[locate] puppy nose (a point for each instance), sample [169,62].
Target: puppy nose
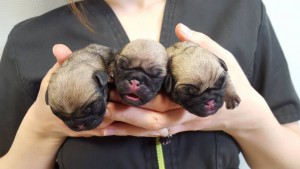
[134,83]
[80,126]
[77,125]
[210,104]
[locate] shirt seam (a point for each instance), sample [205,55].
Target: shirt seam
[114,24]
[168,22]
[15,61]
[251,69]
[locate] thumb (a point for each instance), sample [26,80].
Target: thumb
[61,52]
[186,34]
[183,32]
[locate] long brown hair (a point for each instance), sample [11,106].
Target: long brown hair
[79,11]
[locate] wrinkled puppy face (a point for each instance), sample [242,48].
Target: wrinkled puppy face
[78,90]
[196,79]
[200,100]
[139,71]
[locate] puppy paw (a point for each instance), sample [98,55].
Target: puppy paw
[232,101]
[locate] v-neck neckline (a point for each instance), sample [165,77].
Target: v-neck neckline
[119,31]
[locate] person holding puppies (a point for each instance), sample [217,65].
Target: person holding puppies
[263,126]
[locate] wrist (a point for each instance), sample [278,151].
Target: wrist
[270,146]
[43,124]
[253,115]
[31,149]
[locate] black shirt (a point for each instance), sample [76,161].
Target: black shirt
[240,26]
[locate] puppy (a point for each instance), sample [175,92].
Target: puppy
[78,90]
[198,80]
[139,71]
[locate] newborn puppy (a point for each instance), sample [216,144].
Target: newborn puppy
[139,71]
[198,80]
[77,91]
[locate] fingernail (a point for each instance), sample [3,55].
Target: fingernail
[109,132]
[185,30]
[107,113]
[54,50]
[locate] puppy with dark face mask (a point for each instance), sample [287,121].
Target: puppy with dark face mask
[139,71]
[78,90]
[198,80]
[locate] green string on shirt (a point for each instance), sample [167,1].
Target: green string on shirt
[160,154]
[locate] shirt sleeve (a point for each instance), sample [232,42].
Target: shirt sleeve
[14,100]
[271,76]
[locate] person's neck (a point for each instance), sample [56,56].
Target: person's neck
[132,4]
[131,13]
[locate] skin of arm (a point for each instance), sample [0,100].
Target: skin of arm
[32,147]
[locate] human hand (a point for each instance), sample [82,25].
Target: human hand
[253,112]
[153,118]
[40,117]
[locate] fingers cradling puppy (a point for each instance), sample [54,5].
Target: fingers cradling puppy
[192,77]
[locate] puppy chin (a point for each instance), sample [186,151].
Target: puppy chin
[202,112]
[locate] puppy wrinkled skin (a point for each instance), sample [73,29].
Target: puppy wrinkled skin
[139,71]
[78,90]
[198,80]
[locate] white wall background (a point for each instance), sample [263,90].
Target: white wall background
[285,16]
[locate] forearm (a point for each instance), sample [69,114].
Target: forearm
[31,150]
[274,146]
[265,143]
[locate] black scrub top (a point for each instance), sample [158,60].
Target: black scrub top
[240,26]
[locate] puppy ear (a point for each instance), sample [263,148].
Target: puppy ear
[168,83]
[223,64]
[46,97]
[101,77]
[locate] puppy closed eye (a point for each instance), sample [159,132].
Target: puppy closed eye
[93,108]
[155,72]
[123,63]
[187,89]
[62,116]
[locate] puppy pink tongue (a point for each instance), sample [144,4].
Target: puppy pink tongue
[132,97]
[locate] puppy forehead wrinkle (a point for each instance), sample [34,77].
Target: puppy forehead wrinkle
[82,59]
[69,96]
[203,67]
[143,54]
